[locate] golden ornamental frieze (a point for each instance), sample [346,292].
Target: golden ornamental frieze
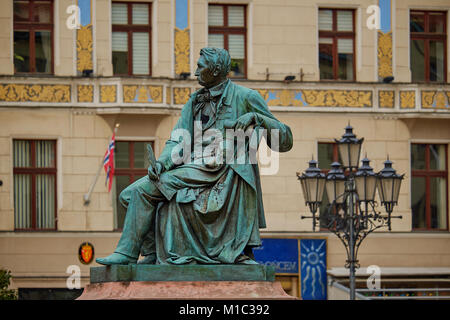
[435,99]
[142,94]
[384,54]
[108,93]
[386,99]
[181,95]
[317,98]
[182,49]
[84,48]
[85,93]
[35,93]
[407,99]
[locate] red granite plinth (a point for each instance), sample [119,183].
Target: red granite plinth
[185,290]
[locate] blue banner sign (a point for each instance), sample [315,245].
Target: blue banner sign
[313,275]
[280,253]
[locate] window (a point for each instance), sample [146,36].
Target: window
[131,38]
[428,46]
[33,36]
[336,44]
[327,154]
[429,186]
[131,164]
[34,184]
[227,29]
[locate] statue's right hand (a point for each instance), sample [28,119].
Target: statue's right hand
[155,172]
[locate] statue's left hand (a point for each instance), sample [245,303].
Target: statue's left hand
[244,121]
[155,172]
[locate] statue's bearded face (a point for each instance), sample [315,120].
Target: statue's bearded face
[207,75]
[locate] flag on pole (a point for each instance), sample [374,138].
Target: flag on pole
[108,162]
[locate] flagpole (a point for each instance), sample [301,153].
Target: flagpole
[87,196]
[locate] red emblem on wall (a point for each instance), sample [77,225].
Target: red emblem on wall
[86,252]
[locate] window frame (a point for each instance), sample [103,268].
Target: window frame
[130,172]
[226,30]
[427,173]
[129,28]
[32,27]
[427,36]
[33,171]
[335,35]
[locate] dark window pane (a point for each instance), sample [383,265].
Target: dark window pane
[437,22]
[121,183]
[326,58]
[121,154]
[140,155]
[325,155]
[416,23]
[43,47]
[437,61]
[418,202]
[418,156]
[21,11]
[120,52]
[236,48]
[345,54]
[417,60]
[22,51]
[42,12]
[437,157]
[438,201]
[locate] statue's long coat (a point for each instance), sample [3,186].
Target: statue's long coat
[212,214]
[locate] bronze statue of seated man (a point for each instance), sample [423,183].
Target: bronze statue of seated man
[193,211]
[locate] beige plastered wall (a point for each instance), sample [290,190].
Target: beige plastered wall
[82,137]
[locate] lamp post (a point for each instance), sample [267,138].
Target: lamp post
[351,214]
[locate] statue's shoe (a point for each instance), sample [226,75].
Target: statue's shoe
[115,258]
[148,259]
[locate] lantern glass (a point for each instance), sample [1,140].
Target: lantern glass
[365,187]
[349,153]
[313,189]
[386,189]
[335,190]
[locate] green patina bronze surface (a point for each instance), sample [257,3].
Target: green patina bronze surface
[137,272]
[190,212]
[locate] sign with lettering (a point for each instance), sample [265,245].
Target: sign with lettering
[280,253]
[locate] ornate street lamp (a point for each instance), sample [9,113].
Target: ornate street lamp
[389,187]
[313,182]
[335,184]
[349,148]
[351,214]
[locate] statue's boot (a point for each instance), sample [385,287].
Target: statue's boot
[115,258]
[138,222]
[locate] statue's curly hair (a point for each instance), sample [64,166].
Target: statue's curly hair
[217,57]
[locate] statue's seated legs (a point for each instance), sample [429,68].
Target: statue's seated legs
[140,199]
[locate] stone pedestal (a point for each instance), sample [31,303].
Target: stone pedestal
[186,282]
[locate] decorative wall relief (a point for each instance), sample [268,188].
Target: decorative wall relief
[85,93]
[35,93]
[85,42]
[181,95]
[407,99]
[182,37]
[384,54]
[435,99]
[386,99]
[108,93]
[317,98]
[142,94]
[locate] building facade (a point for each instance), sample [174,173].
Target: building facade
[72,71]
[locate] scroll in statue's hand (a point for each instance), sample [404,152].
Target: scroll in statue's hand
[155,171]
